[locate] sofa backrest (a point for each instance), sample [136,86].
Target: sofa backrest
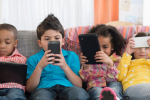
[72,42]
[28,46]
[27,43]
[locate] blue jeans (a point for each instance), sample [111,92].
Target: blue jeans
[138,92]
[95,91]
[59,92]
[12,94]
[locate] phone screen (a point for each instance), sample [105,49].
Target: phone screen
[54,46]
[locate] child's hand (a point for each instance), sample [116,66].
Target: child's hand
[130,46]
[61,61]
[46,59]
[83,61]
[102,57]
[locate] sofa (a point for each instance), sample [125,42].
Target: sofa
[28,46]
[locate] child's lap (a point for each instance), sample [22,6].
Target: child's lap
[138,92]
[12,93]
[58,91]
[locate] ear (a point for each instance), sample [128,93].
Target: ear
[16,43]
[39,43]
[63,41]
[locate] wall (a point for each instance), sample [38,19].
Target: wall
[0,11]
[131,11]
[146,13]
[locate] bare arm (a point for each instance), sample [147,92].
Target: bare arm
[34,80]
[72,77]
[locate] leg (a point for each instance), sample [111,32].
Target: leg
[94,93]
[138,92]
[15,94]
[43,94]
[117,87]
[2,94]
[73,93]
[3,98]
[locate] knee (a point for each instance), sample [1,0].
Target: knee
[79,93]
[96,90]
[16,94]
[115,84]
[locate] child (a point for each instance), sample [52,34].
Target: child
[134,70]
[48,80]
[9,53]
[101,75]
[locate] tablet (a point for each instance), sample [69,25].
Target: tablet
[13,72]
[89,46]
[141,41]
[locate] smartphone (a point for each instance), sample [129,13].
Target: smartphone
[141,41]
[89,46]
[54,46]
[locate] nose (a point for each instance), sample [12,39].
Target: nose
[2,45]
[142,50]
[52,39]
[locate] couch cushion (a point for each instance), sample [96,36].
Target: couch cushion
[71,38]
[141,28]
[27,43]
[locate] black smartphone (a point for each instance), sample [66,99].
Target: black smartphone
[54,46]
[89,46]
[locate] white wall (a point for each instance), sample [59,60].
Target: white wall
[27,14]
[0,12]
[146,13]
[131,11]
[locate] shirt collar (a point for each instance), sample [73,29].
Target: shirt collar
[115,58]
[15,52]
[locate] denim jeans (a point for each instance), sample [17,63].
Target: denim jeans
[12,94]
[59,92]
[138,92]
[94,92]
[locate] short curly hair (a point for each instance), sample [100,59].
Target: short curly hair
[9,27]
[50,22]
[117,39]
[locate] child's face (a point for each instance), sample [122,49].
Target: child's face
[7,43]
[105,44]
[50,35]
[142,53]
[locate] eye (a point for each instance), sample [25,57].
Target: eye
[105,47]
[47,39]
[146,47]
[7,42]
[56,38]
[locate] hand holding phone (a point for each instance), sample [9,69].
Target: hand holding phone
[129,49]
[83,60]
[54,46]
[61,61]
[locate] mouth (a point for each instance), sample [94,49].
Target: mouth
[2,52]
[142,55]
